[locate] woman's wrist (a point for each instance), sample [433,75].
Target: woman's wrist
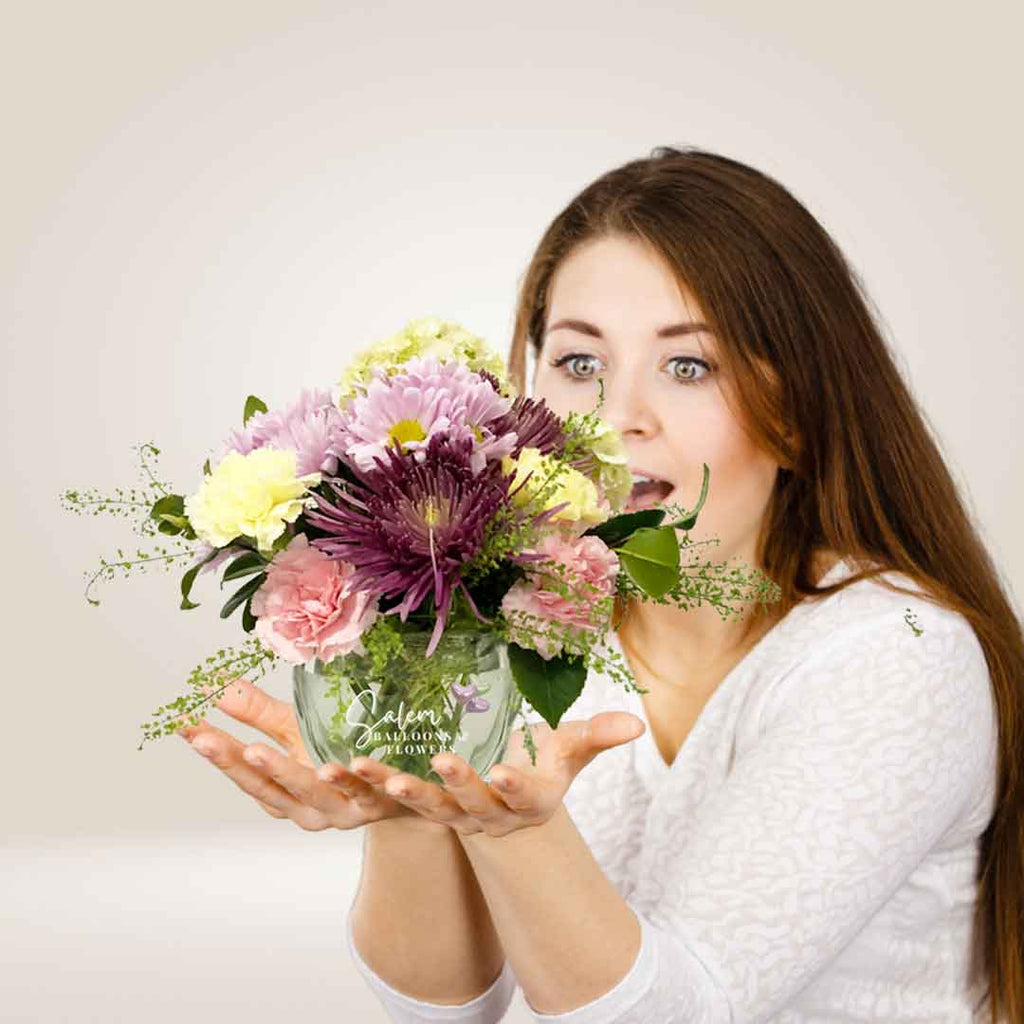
[404,824]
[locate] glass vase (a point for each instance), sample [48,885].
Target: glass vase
[404,708]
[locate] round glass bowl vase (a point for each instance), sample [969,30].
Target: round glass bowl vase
[406,708]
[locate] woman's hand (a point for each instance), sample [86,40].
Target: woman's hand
[520,795]
[286,785]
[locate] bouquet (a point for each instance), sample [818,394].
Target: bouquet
[427,549]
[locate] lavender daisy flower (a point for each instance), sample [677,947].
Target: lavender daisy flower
[305,427]
[425,399]
[413,522]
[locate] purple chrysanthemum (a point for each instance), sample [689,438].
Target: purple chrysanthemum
[533,424]
[305,427]
[413,523]
[426,398]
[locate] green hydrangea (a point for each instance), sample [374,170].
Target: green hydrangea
[427,336]
[603,457]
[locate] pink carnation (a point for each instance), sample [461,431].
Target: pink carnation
[589,565]
[307,607]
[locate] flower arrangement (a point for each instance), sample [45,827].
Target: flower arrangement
[423,493]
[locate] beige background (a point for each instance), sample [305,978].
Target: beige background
[204,200]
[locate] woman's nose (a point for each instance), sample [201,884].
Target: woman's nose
[627,408]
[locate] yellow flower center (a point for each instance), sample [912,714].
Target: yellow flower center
[431,512]
[405,431]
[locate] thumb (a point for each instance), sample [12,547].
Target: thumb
[612,728]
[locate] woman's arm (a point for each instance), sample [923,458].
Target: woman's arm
[420,925]
[873,750]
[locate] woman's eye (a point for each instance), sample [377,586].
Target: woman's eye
[684,369]
[580,365]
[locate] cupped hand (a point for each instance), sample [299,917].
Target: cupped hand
[520,794]
[287,785]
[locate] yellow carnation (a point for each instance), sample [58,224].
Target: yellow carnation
[252,495]
[570,486]
[429,337]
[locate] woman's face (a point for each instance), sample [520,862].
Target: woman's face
[609,306]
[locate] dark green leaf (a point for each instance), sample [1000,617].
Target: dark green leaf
[651,559]
[688,521]
[253,405]
[244,565]
[615,530]
[242,594]
[488,591]
[169,504]
[248,619]
[551,686]
[190,577]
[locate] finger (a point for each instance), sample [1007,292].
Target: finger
[373,798]
[272,811]
[601,732]
[302,782]
[474,796]
[247,703]
[225,752]
[520,792]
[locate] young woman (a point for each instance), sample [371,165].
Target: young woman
[822,816]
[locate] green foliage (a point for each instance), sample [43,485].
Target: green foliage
[617,529]
[242,595]
[650,557]
[189,578]
[207,681]
[253,405]
[244,565]
[135,504]
[551,686]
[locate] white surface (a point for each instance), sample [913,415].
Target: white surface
[242,925]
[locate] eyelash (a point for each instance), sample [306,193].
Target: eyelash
[569,357]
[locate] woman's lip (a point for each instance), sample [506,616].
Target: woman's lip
[649,501]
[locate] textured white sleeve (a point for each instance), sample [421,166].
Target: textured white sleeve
[868,753]
[487,1008]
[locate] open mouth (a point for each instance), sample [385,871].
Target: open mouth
[647,492]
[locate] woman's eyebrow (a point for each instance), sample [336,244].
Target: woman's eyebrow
[671,331]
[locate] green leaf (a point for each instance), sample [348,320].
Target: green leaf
[552,686]
[206,468]
[190,577]
[248,619]
[181,522]
[615,530]
[253,405]
[242,594]
[169,505]
[651,559]
[244,565]
[690,519]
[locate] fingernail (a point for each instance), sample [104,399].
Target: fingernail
[202,747]
[445,768]
[254,757]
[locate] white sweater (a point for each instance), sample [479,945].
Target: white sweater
[810,854]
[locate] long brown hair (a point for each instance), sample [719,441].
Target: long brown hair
[860,473]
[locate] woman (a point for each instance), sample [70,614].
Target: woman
[822,816]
